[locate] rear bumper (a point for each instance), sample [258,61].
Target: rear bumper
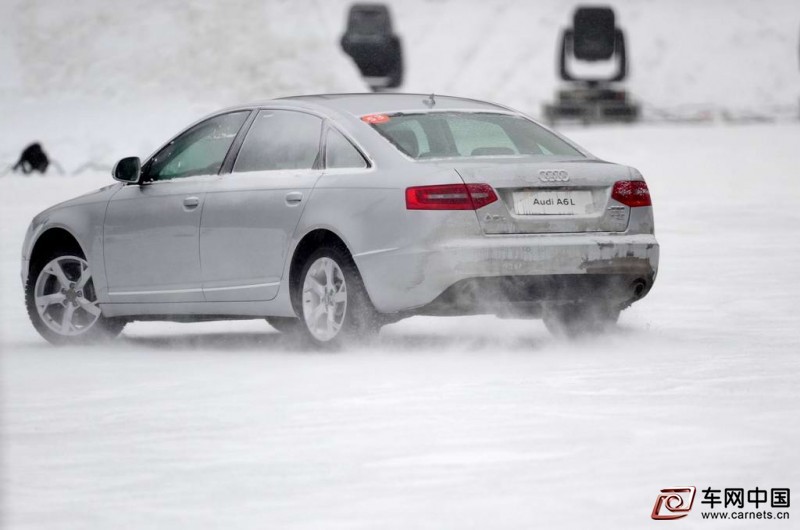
[412,278]
[528,295]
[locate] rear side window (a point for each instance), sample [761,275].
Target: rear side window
[468,135]
[280,139]
[340,153]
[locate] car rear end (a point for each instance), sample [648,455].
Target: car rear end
[503,229]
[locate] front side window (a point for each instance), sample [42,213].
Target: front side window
[199,151]
[340,153]
[468,135]
[280,140]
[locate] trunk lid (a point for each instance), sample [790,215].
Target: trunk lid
[548,197]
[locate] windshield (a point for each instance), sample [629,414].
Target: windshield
[468,134]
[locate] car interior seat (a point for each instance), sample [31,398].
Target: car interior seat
[407,141]
[490,151]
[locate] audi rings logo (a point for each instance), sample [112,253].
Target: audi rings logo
[553,175]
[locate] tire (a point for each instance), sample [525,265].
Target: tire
[66,314]
[286,325]
[580,319]
[331,300]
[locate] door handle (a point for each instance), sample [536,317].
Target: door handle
[294,197]
[190,203]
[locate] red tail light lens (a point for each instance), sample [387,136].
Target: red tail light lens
[481,194]
[631,193]
[450,197]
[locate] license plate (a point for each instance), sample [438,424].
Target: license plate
[555,202]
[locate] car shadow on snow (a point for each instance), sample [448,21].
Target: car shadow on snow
[270,341]
[401,341]
[429,341]
[232,341]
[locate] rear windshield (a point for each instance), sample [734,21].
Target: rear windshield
[467,134]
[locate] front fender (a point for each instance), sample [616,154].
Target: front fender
[82,218]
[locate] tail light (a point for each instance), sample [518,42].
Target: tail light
[631,193]
[450,197]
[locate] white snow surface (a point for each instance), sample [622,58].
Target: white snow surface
[447,422]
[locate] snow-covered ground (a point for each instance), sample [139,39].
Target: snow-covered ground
[447,423]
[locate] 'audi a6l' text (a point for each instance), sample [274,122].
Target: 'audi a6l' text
[332,215]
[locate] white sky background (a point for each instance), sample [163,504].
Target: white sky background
[124,76]
[727,53]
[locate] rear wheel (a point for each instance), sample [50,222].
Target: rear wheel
[62,304]
[334,305]
[580,319]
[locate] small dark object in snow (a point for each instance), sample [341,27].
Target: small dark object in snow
[33,158]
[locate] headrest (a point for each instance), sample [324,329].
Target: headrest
[407,140]
[489,151]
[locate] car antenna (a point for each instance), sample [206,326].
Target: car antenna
[430,102]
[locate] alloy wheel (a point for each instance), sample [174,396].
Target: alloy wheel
[324,299]
[65,298]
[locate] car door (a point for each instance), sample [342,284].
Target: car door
[151,233]
[251,213]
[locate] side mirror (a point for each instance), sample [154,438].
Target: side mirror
[128,170]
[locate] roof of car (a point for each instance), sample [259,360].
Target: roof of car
[360,104]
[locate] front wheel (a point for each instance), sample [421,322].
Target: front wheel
[335,306]
[62,303]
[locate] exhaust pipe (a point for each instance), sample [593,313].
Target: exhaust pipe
[638,287]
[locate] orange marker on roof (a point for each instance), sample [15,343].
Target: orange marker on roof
[374,119]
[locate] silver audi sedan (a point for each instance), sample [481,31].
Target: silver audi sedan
[333,215]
